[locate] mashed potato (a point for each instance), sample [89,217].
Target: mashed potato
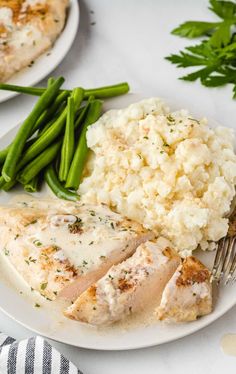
[168,171]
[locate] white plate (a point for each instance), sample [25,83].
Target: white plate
[48,61]
[49,321]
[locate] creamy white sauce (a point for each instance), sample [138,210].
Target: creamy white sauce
[6,15]
[100,232]
[25,36]
[55,308]
[88,249]
[228,344]
[34,2]
[10,277]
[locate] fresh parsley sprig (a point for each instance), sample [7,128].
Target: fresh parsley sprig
[216,53]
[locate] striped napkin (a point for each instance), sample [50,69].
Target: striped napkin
[32,356]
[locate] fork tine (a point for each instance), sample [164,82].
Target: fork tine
[218,256]
[221,261]
[232,266]
[228,255]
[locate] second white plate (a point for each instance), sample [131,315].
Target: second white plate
[49,60]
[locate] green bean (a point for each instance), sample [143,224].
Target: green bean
[3,154]
[39,163]
[15,151]
[52,133]
[54,184]
[42,117]
[77,165]
[8,185]
[35,91]
[33,185]
[4,151]
[2,182]
[107,91]
[49,113]
[51,80]
[43,129]
[81,115]
[41,121]
[68,144]
[99,93]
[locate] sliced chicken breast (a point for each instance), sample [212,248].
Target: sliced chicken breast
[27,29]
[127,287]
[60,249]
[188,294]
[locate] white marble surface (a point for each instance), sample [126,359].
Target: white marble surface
[129,42]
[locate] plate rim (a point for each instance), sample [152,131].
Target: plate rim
[74,11]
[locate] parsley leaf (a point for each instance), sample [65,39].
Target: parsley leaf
[223,9]
[193,29]
[215,55]
[222,35]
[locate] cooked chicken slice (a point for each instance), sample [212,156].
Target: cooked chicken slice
[60,249]
[27,29]
[127,287]
[188,294]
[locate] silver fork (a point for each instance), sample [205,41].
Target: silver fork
[225,260]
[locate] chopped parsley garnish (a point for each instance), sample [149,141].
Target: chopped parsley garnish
[44,286]
[30,259]
[37,305]
[6,252]
[37,243]
[170,119]
[214,56]
[194,119]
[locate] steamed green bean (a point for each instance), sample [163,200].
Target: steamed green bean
[15,151]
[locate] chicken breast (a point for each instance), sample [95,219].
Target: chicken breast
[188,294]
[128,287]
[27,29]
[61,248]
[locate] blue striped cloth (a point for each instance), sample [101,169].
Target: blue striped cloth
[32,356]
